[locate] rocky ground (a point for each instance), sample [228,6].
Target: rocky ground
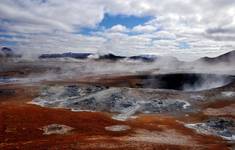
[115,111]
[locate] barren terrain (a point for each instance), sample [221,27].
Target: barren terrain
[46,106]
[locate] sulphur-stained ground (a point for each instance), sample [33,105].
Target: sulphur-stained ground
[23,126]
[103,105]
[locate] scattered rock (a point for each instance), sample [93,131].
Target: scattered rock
[220,123]
[159,106]
[85,104]
[117,128]
[118,102]
[71,90]
[222,127]
[56,129]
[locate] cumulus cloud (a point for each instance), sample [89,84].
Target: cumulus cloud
[144,28]
[40,26]
[118,28]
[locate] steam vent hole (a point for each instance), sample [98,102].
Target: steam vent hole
[179,81]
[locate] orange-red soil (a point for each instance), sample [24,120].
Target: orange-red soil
[20,125]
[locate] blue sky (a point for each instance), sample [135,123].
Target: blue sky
[111,20]
[6,39]
[127,21]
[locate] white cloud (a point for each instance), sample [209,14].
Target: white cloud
[48,26]
[118,28]
[144,28]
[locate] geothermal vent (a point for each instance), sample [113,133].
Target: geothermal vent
[178,81]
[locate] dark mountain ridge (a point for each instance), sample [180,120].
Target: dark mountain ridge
[66,55]
[109,56]
[224,58]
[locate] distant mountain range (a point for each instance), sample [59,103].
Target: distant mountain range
[146,58]
[229,57]
[112,57]
[224,58]
[66,55]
